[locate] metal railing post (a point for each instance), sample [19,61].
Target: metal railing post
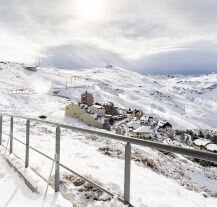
[127,173]
[0,129]
[27,143]
[11,134]
[57,160]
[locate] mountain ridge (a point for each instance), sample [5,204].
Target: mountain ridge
[185,101]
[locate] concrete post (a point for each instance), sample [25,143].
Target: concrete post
[27,143]
[11,134]
[127,173]
[57,160]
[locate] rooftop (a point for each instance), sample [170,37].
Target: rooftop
[201,142]
[211,147]
[98,106]
[145,129]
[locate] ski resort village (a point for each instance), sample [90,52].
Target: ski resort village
[106,137]
[135,123]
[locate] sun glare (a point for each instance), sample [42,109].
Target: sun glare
[89,9]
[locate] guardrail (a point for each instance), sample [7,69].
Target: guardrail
[127,169]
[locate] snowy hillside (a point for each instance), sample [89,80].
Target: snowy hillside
[158,179]
[185,101]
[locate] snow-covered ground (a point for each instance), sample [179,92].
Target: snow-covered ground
[185,101]
[158,179]
[14,192]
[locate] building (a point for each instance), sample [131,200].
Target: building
[137,114]
[107,124]
[133,124]
[82,112]
[92,120]
[110,109]
[200,144]
[87,98]
[164,126]
[75,110]
[150,120]
[109,66]
[204,145]
[129,111]
[144,120]
[211,147]
[97,109]
[142,132]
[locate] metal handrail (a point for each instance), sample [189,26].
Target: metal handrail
[62,165]
[159,146]
[163,147]
[65,167]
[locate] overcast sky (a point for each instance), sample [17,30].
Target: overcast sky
[169,36]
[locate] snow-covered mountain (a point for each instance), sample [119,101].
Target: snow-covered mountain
[185,101]
[158,179]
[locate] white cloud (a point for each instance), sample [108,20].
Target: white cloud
[140,34]
[17,48]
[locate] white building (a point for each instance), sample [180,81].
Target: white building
[200,144]
[97,109]
[163,126]
[211,147]
[142,132]
[144,120]
[133,124]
